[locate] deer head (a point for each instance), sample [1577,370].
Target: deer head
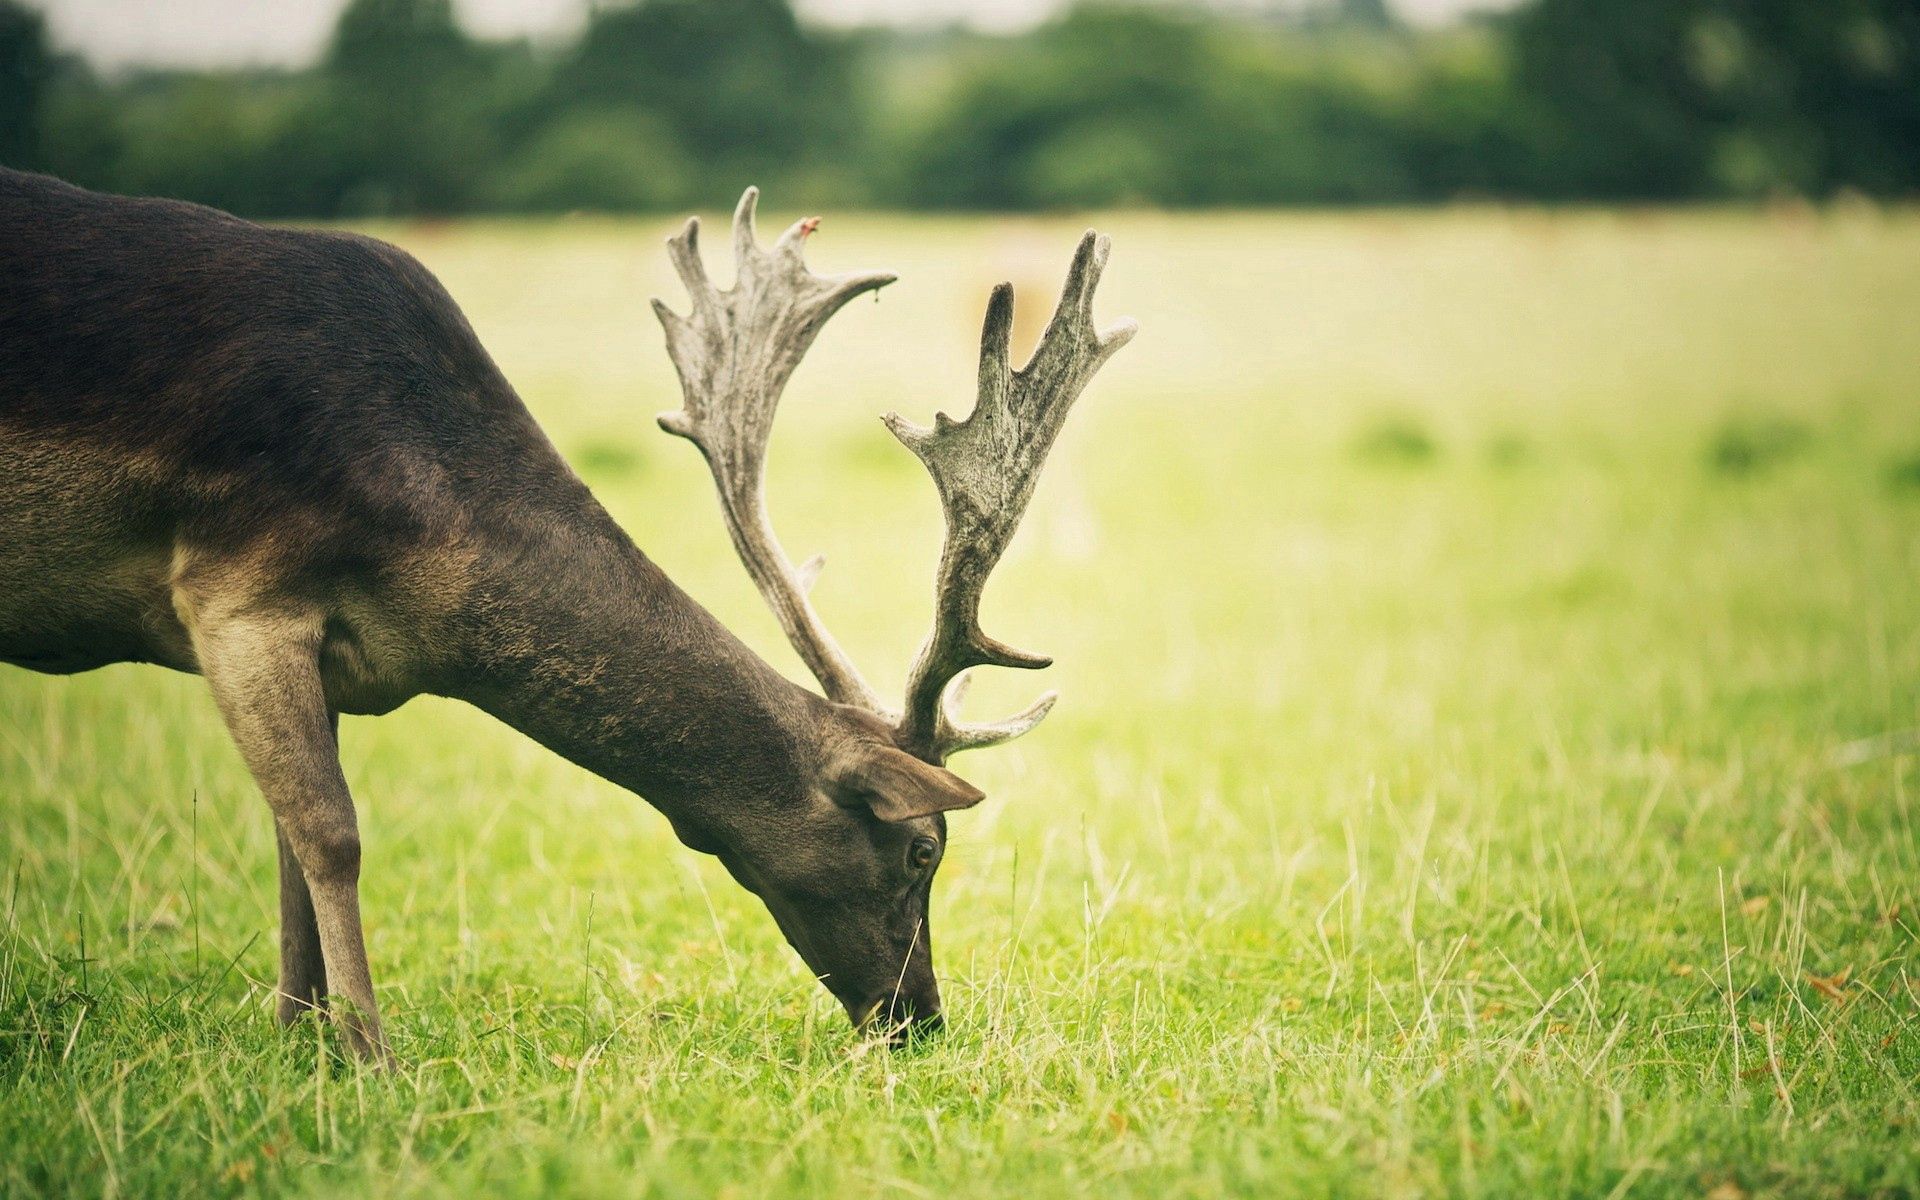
[854,902]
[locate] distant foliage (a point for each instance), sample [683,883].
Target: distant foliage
[667,103]
[597,160]
[739,85]
[604,458]
[1668,98]
[1747,445]
[1399,439]
[1903,474]
[1507,451]
[25,68]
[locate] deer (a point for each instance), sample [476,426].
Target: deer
[281,459]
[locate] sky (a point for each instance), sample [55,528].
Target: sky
[120,33]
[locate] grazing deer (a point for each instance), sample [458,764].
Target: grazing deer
[282,459]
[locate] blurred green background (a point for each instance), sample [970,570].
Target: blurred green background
[667,103]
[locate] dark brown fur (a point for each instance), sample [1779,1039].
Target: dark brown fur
[282,459]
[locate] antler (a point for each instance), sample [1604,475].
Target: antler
[735,353]
[985,468]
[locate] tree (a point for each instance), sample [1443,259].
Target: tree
[1116,104]
[1659,98]
[26,67]
[738,84]
[400,124]
[1816,96]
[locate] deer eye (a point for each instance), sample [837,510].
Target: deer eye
[921,853]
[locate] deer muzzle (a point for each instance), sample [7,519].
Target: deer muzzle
[900,1017]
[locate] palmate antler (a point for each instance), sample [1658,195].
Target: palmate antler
[735,352]
[986,467]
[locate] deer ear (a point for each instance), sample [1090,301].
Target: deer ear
[896,785]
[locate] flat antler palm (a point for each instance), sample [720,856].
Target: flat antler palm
[986,467]
[735,354]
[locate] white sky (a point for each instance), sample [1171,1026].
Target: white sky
[116,33]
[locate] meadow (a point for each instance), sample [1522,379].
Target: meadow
[1489,646]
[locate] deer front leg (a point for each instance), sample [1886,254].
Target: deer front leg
[303,971]
[264,672]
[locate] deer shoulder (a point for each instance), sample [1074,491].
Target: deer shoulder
[201,416]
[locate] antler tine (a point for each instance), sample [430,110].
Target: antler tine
[985,468]
[734,353]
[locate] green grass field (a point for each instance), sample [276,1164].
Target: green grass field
[1490,656]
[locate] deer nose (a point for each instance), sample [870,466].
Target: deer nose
[903,1018]
[907,1025]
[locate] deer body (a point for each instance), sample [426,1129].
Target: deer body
[281,459]
[339,458]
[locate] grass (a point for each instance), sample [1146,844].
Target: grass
[1536,822]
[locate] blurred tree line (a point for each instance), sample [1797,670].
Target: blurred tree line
[669,103]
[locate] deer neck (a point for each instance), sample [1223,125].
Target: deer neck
[581,642]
